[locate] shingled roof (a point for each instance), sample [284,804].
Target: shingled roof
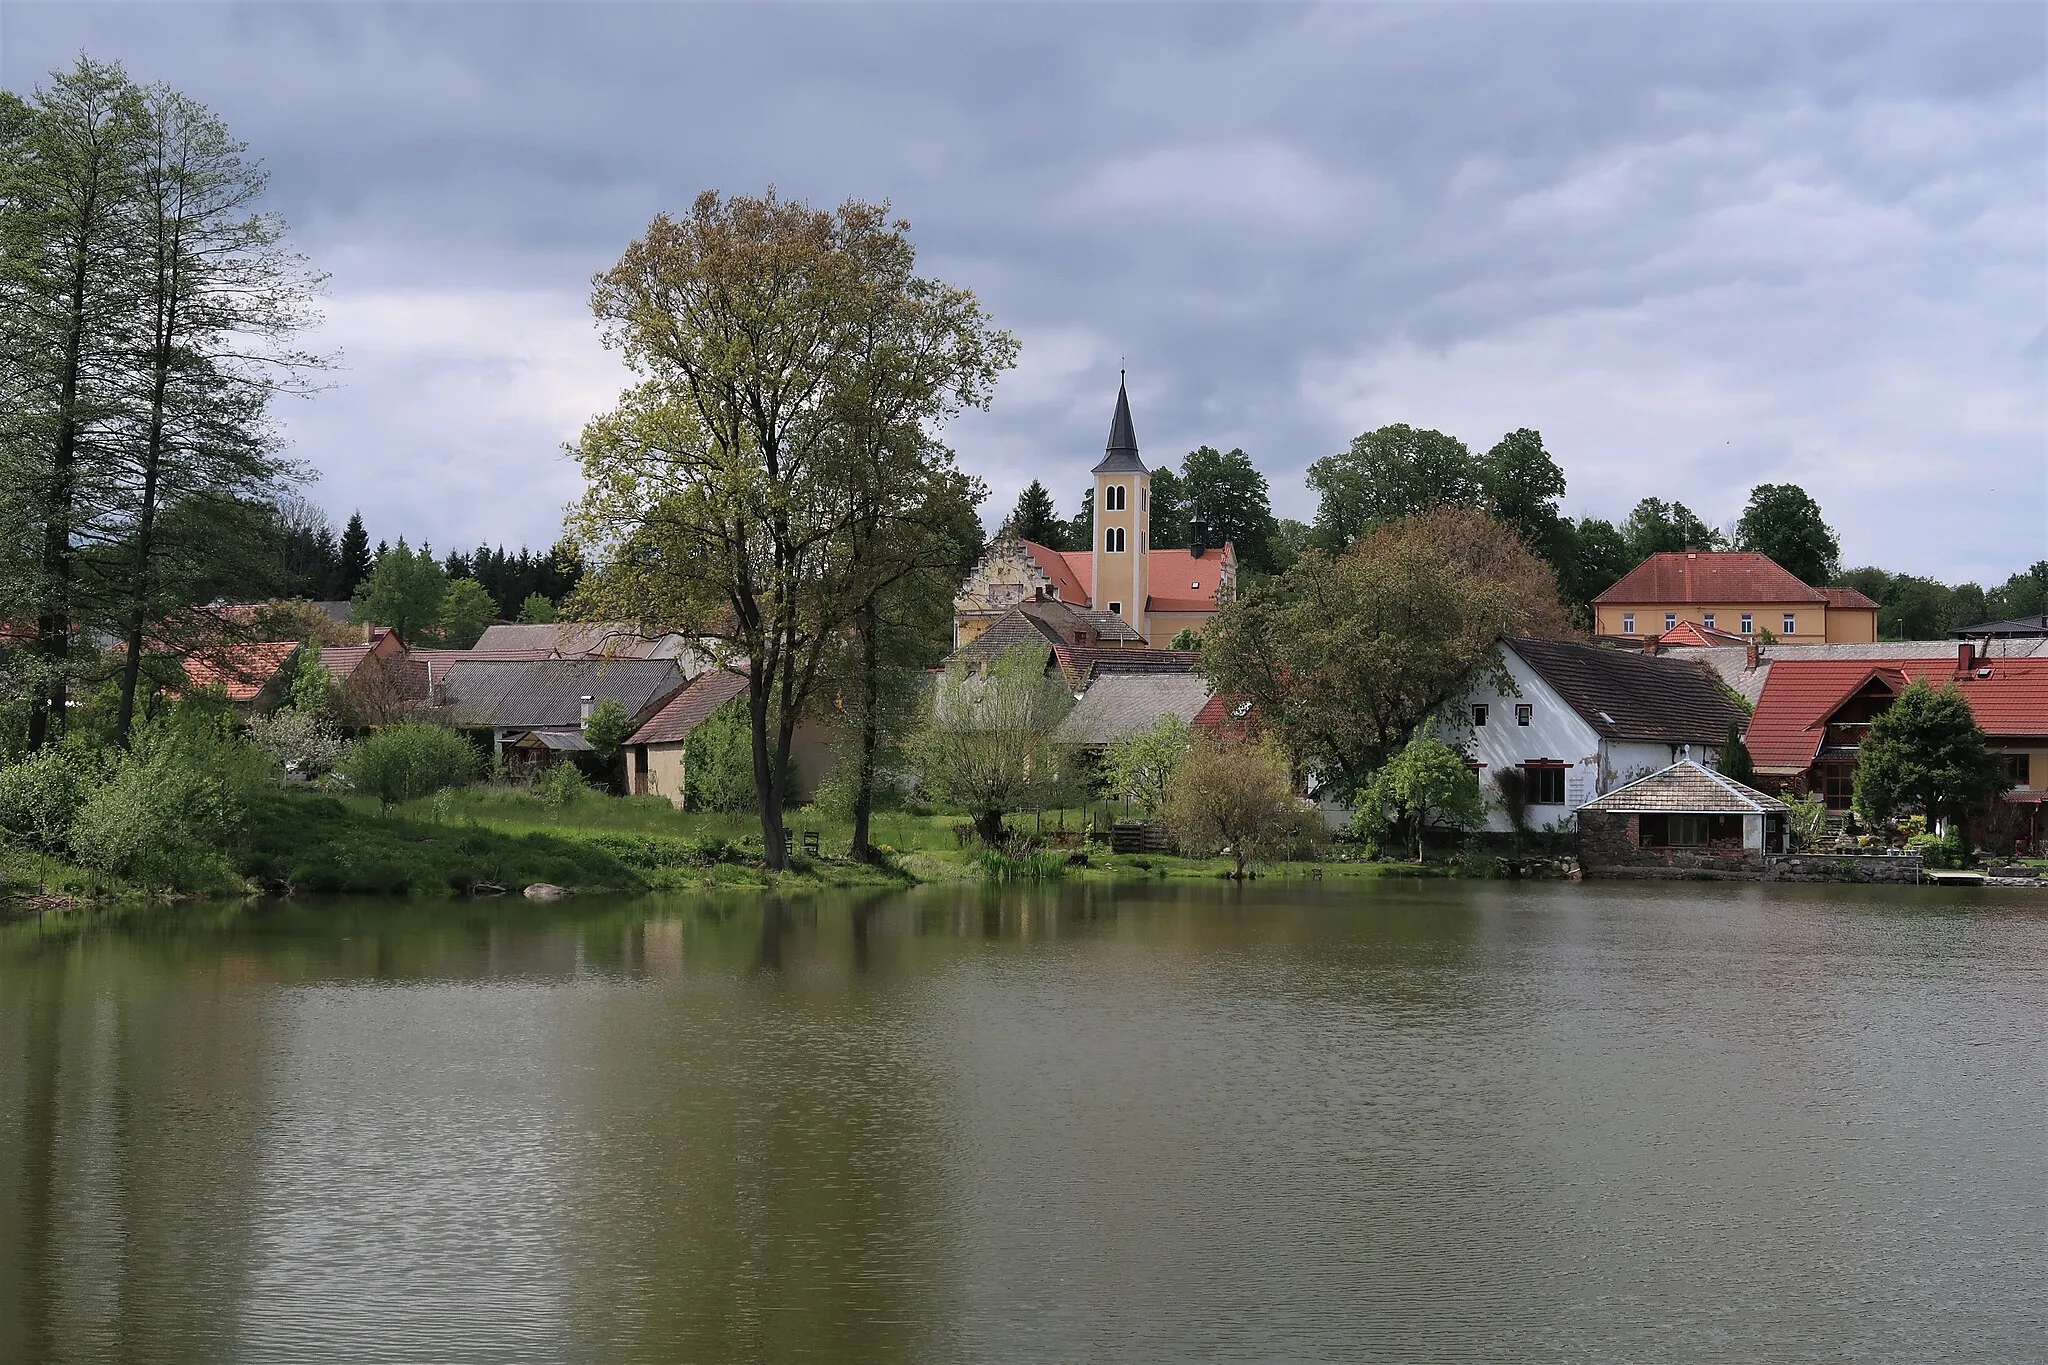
[1120,704]
[1120,456]
[1629,696]
[1687,788]
[1046,622]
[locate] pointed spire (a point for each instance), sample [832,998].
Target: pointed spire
[1120,456]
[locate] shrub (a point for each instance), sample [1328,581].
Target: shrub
[172,809]
[562,785]
[1940,851]
[1237,799]
[407,762]
[299,742]
[41,795]
[608,728]
[718,761]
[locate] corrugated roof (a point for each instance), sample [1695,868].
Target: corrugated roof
[1727,577]
[1687,788]
[688,708]
[1083,664]
[560,741]
[1625,695]
[549,692]
[1119,704]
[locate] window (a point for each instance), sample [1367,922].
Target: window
[1545,785]
[2019,770]
[1522,713]
[1479,716]
[1748,624]
[1671,831]
[1113,539]
[1708,621]
[1628,623]
[1791,624]
[1838,786]
[1113,498]
[1116,608]
[1671,620]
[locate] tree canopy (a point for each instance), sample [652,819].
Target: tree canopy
[1426,785]
[1385,475]
[1227,496]
[1784,522]
[1925,750]
[1036,519]
[1346,654]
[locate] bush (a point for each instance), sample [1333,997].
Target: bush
[407,762]
[301,743]
[562,785]
[718,762]
[175,806]
[1940,851]
[1237,799]
[41,795]
[1426,784]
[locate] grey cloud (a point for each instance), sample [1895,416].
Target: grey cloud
[1808,236]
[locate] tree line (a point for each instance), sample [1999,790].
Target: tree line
[1400,471]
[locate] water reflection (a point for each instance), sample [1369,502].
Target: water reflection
[1197,1121]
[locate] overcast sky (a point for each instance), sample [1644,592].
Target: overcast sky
[1698,248]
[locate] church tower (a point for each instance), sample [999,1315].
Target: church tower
[1123,506]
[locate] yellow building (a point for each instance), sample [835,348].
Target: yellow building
[1737,591]
[1157,593]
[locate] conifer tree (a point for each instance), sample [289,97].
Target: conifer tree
[1036,520]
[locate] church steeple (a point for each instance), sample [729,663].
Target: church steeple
[1120,456]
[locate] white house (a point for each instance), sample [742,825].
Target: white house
[1577,721]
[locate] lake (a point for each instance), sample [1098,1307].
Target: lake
[1382,1121]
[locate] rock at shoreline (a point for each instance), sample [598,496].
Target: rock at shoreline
[546,891]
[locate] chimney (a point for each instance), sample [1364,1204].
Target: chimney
[369,633]
[1755,653]
[1198,538]
[589,705]
[1966,659]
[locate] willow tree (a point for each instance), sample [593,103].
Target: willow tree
[747,489]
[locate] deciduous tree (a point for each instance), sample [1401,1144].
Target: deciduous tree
[1236,798]
[403,592]
[1783,521]
[1139,767]
[1427,785]
[1346,654]
[1925,750]
[986,743]
[1387,474]
[1227,495]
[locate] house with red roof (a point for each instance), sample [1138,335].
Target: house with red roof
[657,754]
[1730,591]
[1155,593]
[1813,715]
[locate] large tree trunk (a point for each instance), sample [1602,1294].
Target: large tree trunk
[53,619]
[767,782]
[145,526]
[870,734]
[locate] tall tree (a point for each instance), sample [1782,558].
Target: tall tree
[1783,521]
[1079,533]
[222,303]
[1227,495]
[1600,556]
[1521,485]
[70,272]
[1658,527]
[1386,474]
[2024,594]
[724,490]
[355,556]
[1344,655]
[403,592]
[1168,521]
[1035,519]
[1925,750]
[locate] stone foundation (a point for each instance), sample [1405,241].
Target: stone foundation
[1608,848]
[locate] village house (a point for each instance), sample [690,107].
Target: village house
[657,753]
[511,701]
[1734,591]
[1575,721]
[1155,593]
[1685,817]
[1813,714]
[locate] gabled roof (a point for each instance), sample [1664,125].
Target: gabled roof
[1784,734]
[540,693]
[580,639]
[1120,455]
[690,707]
[1082,664]
[1727,577]
[1847,599]
[1058,566]
[2013,627]
[342,661]
[1119,704]
[1630,696]
[1049,623]
[1687,788]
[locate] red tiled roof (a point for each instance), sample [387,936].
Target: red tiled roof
[1847,599]
[1709,576]
[242,671]
[1083,664]
[1698,636]
[688,708]
[1220,711]
[1183,582]
[1799,695]
[1058,566]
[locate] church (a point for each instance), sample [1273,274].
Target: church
[1121,591]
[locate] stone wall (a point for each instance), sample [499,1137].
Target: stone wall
[1608,848]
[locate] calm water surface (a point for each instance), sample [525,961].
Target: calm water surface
[1397,1122]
